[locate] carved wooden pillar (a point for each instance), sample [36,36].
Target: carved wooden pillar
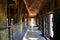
[3,24]
[56,20]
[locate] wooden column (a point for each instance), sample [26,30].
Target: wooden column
[42,26]
[38,21]
[56,24]
[3,24]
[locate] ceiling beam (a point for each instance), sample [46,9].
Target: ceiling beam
[33,6]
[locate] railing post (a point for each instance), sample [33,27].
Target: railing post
[11,29]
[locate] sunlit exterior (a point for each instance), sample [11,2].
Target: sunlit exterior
[51,25]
